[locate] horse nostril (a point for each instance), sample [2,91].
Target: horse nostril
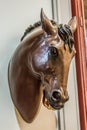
[56,95]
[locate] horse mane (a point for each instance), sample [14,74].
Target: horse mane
[64,32]
[32,27]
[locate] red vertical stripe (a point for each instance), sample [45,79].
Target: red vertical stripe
[78,10]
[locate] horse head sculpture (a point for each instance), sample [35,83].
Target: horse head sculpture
[39,67]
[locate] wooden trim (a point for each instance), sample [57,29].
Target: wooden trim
[77,10]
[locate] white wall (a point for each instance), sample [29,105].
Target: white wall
[15,17]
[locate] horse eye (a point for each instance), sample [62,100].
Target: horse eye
[53,51]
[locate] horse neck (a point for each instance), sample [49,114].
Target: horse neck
[32,42]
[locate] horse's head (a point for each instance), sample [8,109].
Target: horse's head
[52,60]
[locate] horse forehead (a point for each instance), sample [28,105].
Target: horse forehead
[54,41]
[57,43]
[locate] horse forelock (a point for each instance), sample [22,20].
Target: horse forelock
[66,35]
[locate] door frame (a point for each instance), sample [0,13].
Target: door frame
[81,70]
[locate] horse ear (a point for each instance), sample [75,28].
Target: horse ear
[73,24]
[46,24]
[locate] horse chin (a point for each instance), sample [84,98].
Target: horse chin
[57,106]
[52,106]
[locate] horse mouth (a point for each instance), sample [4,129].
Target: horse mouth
[51,105]
[47,104]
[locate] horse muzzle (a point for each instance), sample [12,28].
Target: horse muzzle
[55,100]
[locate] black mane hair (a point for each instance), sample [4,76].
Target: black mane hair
[66,35]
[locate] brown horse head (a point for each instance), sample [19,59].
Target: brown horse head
[52,61]
[42,57]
